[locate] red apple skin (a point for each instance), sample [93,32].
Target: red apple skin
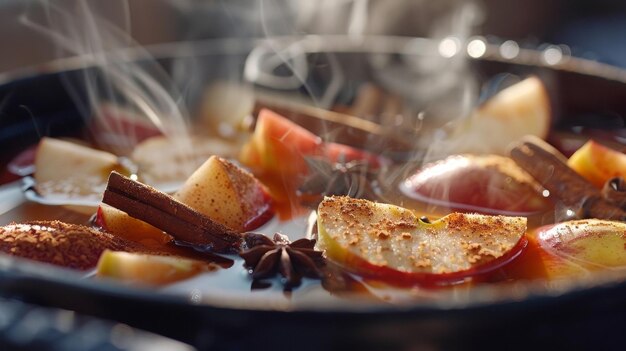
[398,278]
[227,194]
[390,244]
[577,249]
[487,184]
[267,212]
[278,147]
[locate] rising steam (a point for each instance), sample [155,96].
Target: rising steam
[122,91]
[269,44]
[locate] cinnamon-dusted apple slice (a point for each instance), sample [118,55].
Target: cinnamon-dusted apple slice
[227,194]
[166,213]
[149,269]
[390,243]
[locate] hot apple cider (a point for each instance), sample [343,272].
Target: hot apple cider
[281,209]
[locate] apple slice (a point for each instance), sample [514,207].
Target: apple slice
[122,225]
[278,147]
[68,171]
[149,269]
[489,184]
[227,194]
[390,243]
[519,110]
[598,163]
[155,156]
[225,106]
[576,248]
[59,160]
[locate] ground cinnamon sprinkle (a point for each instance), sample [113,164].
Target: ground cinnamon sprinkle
[384,234]
[61,244]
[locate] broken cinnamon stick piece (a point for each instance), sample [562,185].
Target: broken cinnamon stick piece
[546,165]
[166,213]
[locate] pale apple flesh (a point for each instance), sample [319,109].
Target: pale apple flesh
[58,160]
[152,270]
[576,248]
[225,106]
[121,224]
[66,171]
[156,156]
[519,110]
[227,194]
[390,243]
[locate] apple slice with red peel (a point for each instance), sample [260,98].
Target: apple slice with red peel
[278,147]
[227,194]
[149,269]
[390,243]
[598,163]
[121,224]
[519,110]
[576,248]
[489,184]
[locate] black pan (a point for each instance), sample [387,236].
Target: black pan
[585,314]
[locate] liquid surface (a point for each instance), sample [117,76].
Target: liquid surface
[233,287]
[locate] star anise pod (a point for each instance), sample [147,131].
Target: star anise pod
[354,178]
[293,260]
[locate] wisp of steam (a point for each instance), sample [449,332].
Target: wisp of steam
[284,34]
[117,85]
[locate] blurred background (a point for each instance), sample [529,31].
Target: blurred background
[591,29]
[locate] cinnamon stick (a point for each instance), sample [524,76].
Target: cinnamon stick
[168,214]
[548,167]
